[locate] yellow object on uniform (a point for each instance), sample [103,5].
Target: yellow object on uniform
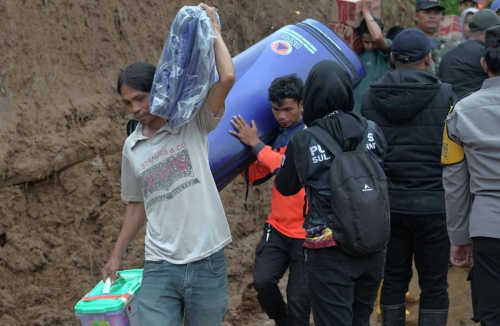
[451,152]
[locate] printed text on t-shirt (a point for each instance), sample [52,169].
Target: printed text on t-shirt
[159,154]
[164,174]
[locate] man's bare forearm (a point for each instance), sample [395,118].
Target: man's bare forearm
[135,216]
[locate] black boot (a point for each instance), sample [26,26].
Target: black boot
[394,315]
[428,317]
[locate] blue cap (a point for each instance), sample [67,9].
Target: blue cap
[432,42]
[410,45]
[495,6]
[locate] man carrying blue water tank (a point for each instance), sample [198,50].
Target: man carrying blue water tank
[166,181]
[281,245]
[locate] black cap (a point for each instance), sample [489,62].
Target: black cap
[475,1]
[428,4]
[410,45]
[492,37]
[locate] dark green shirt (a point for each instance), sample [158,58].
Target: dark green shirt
[376,64]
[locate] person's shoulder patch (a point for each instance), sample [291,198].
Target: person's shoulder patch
[451,152]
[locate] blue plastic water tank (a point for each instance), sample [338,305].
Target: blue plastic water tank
[291,49]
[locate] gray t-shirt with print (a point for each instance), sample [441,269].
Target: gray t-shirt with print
[171,175]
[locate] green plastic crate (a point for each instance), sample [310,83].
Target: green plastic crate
[115,308]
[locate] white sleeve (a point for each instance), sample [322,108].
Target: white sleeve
[131,186]
[205,119]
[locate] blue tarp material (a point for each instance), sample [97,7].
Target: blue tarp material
[186,69]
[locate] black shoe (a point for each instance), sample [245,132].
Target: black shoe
[394,315]
[428,317]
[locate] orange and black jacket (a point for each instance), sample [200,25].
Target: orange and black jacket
[287,213]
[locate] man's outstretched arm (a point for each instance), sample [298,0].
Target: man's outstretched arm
[219,90]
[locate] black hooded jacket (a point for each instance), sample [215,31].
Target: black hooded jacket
[327,94]
[411,106]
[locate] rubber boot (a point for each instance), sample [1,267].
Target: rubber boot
[379,293]
[394,315]
[428,317]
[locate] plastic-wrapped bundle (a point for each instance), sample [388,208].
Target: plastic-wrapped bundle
[186,69]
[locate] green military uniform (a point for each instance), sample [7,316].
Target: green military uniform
[443,46]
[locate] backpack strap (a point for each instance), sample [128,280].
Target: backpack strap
[325,139]
[362,144]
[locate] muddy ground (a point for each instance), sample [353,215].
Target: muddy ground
[61,133]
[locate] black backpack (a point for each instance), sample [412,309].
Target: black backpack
[360,198]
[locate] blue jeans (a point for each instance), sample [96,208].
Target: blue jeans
[195,293]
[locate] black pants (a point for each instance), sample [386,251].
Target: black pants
[425,239]
[342,288]
[485,281]
[274,254]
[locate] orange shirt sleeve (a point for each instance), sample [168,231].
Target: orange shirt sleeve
[268,164]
